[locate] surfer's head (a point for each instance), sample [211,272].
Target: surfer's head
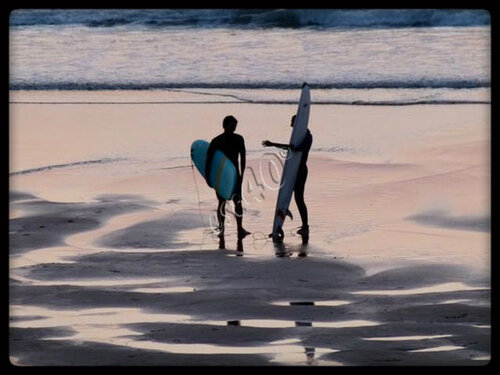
[229,124]
[293,120]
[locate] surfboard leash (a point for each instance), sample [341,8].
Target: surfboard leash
[197,195]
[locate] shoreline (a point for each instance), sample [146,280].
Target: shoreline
[356,96]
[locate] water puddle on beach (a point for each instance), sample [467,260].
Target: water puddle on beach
[174,289]
[331,303]
[439,288]
[83,243]
[445,348]
[482,358]
[406,338]
[15,213]
[98,282]
[56,254]
[278,323]
[16,210]
[290,352]
[453,301]
[53,318]
[105,318]
[109,325]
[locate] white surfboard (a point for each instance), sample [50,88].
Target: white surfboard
[291,165]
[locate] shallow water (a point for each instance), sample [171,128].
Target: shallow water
[400,55]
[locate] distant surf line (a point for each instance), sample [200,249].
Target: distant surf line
[268,102]
[416,83]
[322,19]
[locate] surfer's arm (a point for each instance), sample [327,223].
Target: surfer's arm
[272,144]
[243,162]
[243,159]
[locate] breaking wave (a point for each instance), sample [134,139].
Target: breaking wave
[254,18]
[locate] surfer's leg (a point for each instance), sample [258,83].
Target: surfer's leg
[221,213]
[242,233]
[298,191]
[238,210]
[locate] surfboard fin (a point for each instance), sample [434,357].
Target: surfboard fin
[284,214]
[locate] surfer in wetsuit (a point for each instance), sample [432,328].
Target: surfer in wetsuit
[232,145]
[300,182]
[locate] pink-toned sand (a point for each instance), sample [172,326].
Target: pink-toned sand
[111,249]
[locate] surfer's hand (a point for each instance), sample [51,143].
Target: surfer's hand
[266,143]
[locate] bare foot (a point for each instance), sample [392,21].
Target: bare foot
[222,243]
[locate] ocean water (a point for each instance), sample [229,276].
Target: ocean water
[258,56]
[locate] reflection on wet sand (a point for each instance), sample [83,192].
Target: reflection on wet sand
[439,288]
[283,251]
[109,325]
[201,301]
[239,246]
[311,303]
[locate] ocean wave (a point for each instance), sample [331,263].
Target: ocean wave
[415,84]
[253,18]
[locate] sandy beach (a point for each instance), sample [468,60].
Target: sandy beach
[113,262]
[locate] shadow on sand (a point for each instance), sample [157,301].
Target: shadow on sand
[199,307]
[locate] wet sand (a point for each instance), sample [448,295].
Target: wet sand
[110,264]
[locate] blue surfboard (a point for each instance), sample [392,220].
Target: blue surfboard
[222,172]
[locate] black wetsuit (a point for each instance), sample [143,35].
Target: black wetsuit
[300,182]
[232,145]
